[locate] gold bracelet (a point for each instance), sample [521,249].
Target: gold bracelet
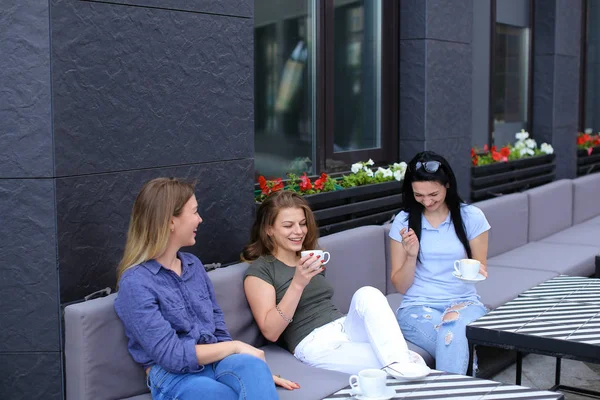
[286,319]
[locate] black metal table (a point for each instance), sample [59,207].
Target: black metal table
[442,385]
[558,318]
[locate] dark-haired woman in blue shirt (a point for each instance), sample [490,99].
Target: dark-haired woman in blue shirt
[167,303]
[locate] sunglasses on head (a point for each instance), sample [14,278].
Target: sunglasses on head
[429,166]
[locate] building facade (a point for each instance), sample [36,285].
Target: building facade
[99,97]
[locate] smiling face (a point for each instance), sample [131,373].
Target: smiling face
[184,226]
[431,194]
[288,231]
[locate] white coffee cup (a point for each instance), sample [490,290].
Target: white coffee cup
[467,268]
[318,253]
[369,382]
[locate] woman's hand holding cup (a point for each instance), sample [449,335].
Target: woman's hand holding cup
[309,265]
[410,242]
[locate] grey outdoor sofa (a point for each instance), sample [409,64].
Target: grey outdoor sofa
[536,235]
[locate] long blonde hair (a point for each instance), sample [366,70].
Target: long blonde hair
[148,234]
[260,243]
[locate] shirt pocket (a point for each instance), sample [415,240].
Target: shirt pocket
[178,317]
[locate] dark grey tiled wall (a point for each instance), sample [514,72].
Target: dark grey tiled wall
[435,82]
[556,64]
[98,98]
[25,128]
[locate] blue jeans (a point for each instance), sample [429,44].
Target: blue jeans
[236,377]
[441,331]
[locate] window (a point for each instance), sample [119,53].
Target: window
[503,60]
[590,104]
[325,89]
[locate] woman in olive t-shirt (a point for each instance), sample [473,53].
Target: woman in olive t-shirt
[291,302]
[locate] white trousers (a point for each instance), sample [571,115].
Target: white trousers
[368,337]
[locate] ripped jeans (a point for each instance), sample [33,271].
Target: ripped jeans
[441,331]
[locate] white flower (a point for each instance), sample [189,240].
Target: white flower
[520,144]
[530,143]
[356,167]
[398,175]
[380,171]
[399,166]
[522,135]
[369,172]
[526,150]
[588,131]
[387,173]
[370,162]
[546,148]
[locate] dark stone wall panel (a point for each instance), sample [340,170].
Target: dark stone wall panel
[25,128]
[566,91]
[240,8]
[409,148]
[436,19]
[568,27]
[28,288]
[543,97]
[449,94]
[545,21]
[94,212]
[29,376]
[456,151]
[565,147]
[139,87]
[413,74]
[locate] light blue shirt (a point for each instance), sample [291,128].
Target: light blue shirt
[434,283]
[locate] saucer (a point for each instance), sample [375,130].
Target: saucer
[478,278]
[389,393]
[409,372]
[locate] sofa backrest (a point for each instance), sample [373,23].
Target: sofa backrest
[357,259]
[508,216]
[550,209]
[586,197]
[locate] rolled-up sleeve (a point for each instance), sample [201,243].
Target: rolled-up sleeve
[146,327]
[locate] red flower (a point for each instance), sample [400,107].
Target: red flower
[472,152]
[485,148]
[277,185]
[496,156]
[263,184]
[321,181]
[494,149]
[597,141]
[505,151]
[305,183]
[581,139]
[475,161]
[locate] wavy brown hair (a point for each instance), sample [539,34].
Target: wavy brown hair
[261,243]
[148,234]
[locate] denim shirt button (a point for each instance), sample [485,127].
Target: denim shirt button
[186,369]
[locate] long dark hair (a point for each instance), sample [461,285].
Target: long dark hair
[260,243]
[444,176]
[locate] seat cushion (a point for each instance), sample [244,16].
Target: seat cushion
[586,192]
[146,396]
[571,259]
[229,289]
[585,234]
[506,283]
[389,286]
[595,221]
[508,216]
[394,300]
[315,383]
[550,209]
[357,259]
[97,363]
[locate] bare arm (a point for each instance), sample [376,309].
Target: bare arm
[479,249]
[404,260]
[261,297]
[209,353]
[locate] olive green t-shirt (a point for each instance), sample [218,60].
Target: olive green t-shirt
[315,307]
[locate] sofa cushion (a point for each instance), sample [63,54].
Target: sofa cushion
[506,283]
[550,209]
[388,261]
[315,383]
[585,234]
[229,289]
[586,195]
[594,221]
[97,363]
[508,216]
[146,396]
[569,259]
[357,259]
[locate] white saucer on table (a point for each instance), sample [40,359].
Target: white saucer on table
[389,393]
[478,278]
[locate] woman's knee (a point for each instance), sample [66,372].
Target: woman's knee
[369,293]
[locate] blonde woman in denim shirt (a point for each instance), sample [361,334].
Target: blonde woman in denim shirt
[435,229]
[167,303]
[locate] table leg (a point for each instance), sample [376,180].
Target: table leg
[598,266]
[557,373]
[470,370]
[519,367]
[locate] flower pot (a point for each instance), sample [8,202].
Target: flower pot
[588,163]
[512,176]
[358,206]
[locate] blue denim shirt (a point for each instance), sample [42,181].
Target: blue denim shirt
[166,315]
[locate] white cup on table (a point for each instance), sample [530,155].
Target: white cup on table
[369,382]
